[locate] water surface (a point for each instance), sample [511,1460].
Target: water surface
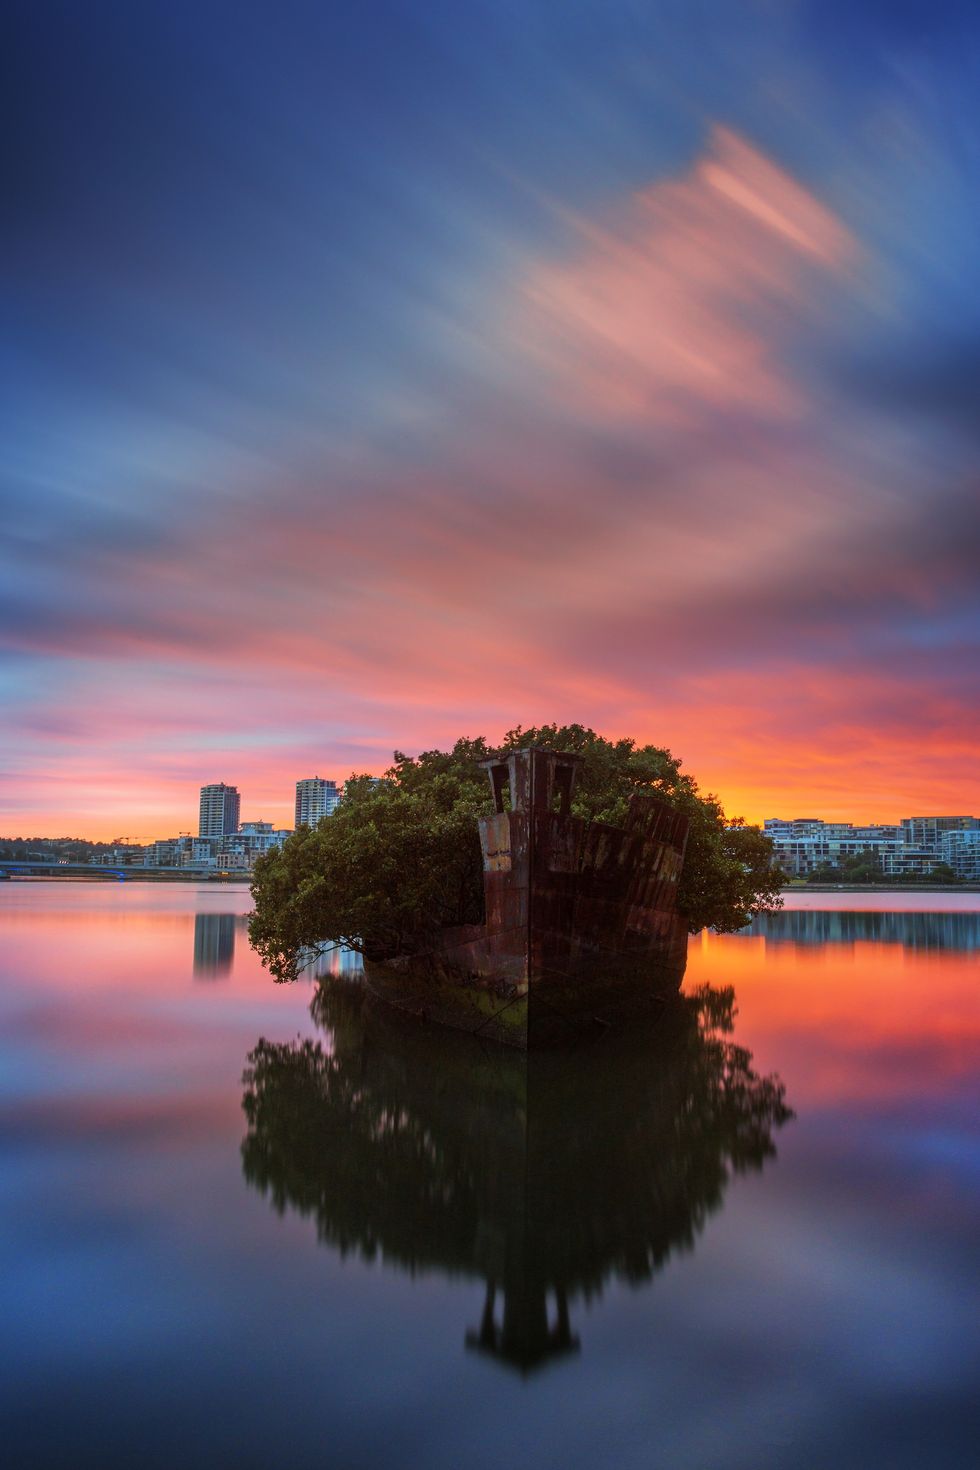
[245,1224]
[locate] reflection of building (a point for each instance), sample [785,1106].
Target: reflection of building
[326,961]
[220,810]
[544,1175]
[832,926]
[214,943]
[315,798]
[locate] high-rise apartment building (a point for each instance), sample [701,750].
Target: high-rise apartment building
[315,798]
[220,810]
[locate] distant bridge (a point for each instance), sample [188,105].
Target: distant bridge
[120,874]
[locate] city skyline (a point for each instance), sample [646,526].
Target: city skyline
[317,796]
[178,817]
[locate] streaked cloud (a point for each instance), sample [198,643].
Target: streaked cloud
[675,308]
[628,384]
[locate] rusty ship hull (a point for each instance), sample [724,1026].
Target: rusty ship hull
[581,930]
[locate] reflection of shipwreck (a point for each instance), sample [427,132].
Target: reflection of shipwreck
[542,1176]
[581,917]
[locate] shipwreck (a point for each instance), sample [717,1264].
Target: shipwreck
[581,929]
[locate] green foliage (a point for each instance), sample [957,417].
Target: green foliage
[824,873]
[54,849]
[400,857]
[398,860]
[729,873]
[943,873]
[938,873]
[862,868]
[866,867]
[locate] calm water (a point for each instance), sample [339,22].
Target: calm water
[235,1232]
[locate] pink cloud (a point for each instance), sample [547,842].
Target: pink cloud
[675,307]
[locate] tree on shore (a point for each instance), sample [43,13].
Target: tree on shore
[866,868]
[939,873]
[824,873]
[400,857]
[861,867]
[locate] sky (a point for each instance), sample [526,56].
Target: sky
[377,374]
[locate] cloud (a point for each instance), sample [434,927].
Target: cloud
[661,526]
[676,307]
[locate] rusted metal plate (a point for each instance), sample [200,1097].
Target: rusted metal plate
[593,893]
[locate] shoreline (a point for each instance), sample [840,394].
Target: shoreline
[881,888]
[136,877]
[228,879]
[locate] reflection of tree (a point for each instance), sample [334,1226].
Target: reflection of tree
[542,1174]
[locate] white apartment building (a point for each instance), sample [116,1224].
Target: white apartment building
[929,831]
[915,845]
[239,851]
[961,849]
[802,846]
[316,797]
[234,851]
[219,811]
[179,852]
